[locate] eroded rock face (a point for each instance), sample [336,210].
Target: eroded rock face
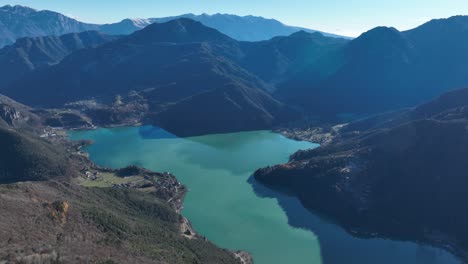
[58,211]
[9,115]
[16,115]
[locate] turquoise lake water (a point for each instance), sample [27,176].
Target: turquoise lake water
[231,209]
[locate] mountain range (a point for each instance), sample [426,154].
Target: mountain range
[384,69]
[180,63]
[20,21]
[243,28]
[179,66]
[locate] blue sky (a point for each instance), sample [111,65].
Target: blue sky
[346,17]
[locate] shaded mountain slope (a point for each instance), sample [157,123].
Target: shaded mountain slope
[401,175]
[385,69]
[282,57]
[26,158]
[178,66]
[233,107]
[143,60]
[28,54]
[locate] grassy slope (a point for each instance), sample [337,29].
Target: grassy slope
[24,157]
[72,224]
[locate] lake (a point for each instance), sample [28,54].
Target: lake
[230,208]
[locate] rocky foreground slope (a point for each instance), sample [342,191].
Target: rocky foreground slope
[57,206]
[400,175]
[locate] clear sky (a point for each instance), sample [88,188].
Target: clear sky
[345,17]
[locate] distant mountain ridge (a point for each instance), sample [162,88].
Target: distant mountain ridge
[20,21]
[243,28]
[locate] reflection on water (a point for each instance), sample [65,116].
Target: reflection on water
[150,132]
[228,207]
[338,246]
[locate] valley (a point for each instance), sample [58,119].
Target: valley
[231,139]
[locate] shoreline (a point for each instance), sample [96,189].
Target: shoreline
[359,233]
[332,210]
[176,201]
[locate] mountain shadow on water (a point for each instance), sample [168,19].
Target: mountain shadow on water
[153,132]
[353,249]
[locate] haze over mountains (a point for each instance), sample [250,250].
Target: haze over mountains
[384,69]
[177,66]
[243,28]
[19,21]
[177,63]
[400,174]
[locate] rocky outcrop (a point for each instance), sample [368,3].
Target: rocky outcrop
[16,115]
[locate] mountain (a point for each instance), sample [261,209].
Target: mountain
[243,28]
[282,57]
[126,26]
[19,21]
[400,175]
[28,54]
[384,69]
[188,74]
